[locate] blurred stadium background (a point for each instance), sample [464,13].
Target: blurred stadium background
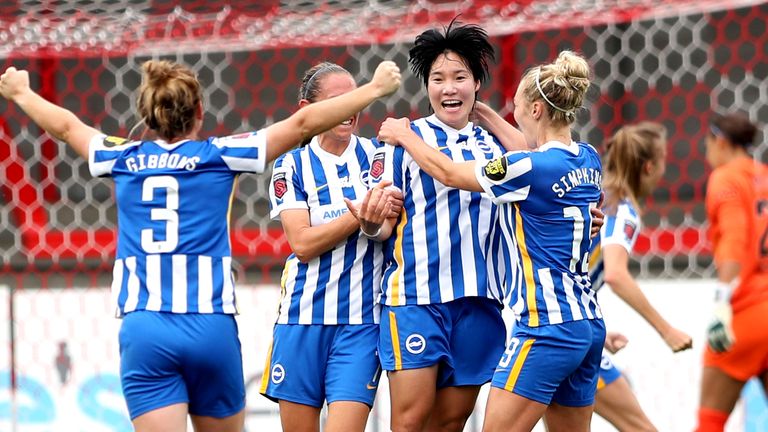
[670,61]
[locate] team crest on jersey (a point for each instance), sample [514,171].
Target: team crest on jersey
[112,141]
[377,166]
[484,147]
[496,169]
[629,229]
[279,184]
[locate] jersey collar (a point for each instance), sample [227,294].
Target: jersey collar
[573,147]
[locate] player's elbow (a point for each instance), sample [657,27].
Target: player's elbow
[303,253]
[302,123]
[617,279]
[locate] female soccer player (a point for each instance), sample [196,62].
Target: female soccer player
[179,349]
[324,345]
[737,209]
[441,326]
[634,162]
[545,197]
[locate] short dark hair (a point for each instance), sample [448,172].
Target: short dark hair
[735,127]
[470,42]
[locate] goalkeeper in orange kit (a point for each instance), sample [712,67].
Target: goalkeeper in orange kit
[737,209]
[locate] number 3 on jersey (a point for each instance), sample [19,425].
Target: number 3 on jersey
[167,214]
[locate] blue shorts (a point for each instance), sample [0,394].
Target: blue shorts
[608,372]
[553,363]
[168,358]
[465,337]
[309,364]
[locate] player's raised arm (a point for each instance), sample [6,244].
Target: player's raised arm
[509,136]
[321,116]
[439,166]
[57,121]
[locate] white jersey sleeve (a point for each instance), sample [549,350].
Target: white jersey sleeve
[508,178]
[621,228]
[104,151]
[245,152]
[286,191]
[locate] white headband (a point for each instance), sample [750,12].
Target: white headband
[541,92]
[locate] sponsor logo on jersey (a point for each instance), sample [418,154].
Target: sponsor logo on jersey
[278,373]
[415,344]
[629,229]
[279,184]
[377,166]
[496,169]
[112,141]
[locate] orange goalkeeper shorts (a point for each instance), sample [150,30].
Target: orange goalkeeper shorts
[748,355]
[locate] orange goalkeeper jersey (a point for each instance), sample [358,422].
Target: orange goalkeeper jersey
[737,209]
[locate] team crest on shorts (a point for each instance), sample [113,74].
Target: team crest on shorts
[279,184]
[415,344]
[278,373]
[496,169]
[377,166]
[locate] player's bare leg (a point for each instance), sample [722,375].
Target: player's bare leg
[616,403]
[172,418]
[412,396]
[453,406]
[508,412]
[347,416]
[718,390]
[295,417]
[233,423]
[559,418]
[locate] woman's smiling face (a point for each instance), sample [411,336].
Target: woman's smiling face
[451,88]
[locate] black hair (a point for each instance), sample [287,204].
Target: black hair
[470,42]
[735,127]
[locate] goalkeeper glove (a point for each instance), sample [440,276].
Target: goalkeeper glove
[720,331]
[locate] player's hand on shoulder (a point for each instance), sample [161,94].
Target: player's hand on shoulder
[386,78]
[614,342]
[677,340]
[392,130]
[13,82]
[720,331]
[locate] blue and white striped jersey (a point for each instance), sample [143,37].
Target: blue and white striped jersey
[621,228]
[342,285]
[440,249]
[173,202]
[544,201]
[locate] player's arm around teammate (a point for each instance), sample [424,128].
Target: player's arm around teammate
[551,362]
[167,374]
[634,162]
[324,340]
[736,203]
[441,328]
